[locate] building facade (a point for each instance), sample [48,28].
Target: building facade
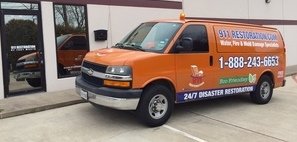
[275,13]
[44,41]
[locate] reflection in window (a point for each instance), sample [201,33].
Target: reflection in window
[19,6]
[71,39]
[198,35]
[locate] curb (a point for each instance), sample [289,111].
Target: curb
[38,109]
[291,74]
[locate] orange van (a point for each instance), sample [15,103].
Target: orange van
[177,61]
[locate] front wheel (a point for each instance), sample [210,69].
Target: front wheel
[155,106]
[264,90]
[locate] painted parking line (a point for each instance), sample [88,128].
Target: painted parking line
[184,134]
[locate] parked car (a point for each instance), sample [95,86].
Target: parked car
[71,49]
[27,68]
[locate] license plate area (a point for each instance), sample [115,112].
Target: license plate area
[84,94]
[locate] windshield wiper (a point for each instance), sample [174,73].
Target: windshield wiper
[120,45]
[133,46]
[129,46]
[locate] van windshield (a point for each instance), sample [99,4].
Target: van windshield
[61,39]
[151,36]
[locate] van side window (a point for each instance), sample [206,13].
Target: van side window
[196,38]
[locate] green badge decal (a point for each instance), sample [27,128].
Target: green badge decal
[251,78]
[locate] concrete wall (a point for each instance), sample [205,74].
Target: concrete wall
[251,9]
[119,21]
[256,9]
[290,32]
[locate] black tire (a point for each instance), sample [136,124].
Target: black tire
[155,106]
[34,82]
[264,91]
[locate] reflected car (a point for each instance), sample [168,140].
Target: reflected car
[27,68]
[71,49]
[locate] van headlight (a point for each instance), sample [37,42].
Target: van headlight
[119,70]
[118,76]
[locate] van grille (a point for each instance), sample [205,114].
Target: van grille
[95,67]
[98,82]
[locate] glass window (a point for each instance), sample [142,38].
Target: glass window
[19,6]
[71,38]
[198,35]
[151,36]
[75,43]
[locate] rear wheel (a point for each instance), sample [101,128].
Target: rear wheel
[34,82]
[155,106]
[264,90]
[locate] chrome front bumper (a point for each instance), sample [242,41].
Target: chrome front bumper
[112,102]
[24,75]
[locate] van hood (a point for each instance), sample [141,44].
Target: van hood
[30,56]
[115,56]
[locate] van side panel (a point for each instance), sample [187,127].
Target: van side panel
[239,60]
[247,39]
[250,50]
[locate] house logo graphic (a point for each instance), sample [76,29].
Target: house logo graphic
[196,77]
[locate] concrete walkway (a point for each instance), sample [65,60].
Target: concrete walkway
[20,105]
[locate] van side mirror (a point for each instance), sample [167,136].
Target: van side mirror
[185,45]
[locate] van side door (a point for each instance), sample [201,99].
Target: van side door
[194,63]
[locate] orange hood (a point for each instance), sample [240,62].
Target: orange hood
[115,56]
[29,56]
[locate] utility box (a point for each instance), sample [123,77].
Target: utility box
[100,35]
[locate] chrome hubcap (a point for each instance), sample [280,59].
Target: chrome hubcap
[158,106]
[265,90]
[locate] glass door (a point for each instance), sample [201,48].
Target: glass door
[22,52]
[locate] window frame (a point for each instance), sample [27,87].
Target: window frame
[173,50]
[55,28]
[29,2]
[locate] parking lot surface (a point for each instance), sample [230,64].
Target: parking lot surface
[229,119]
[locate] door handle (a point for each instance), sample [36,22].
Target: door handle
[211,60]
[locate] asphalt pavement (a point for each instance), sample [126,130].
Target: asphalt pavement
[20,105]
[229,119]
